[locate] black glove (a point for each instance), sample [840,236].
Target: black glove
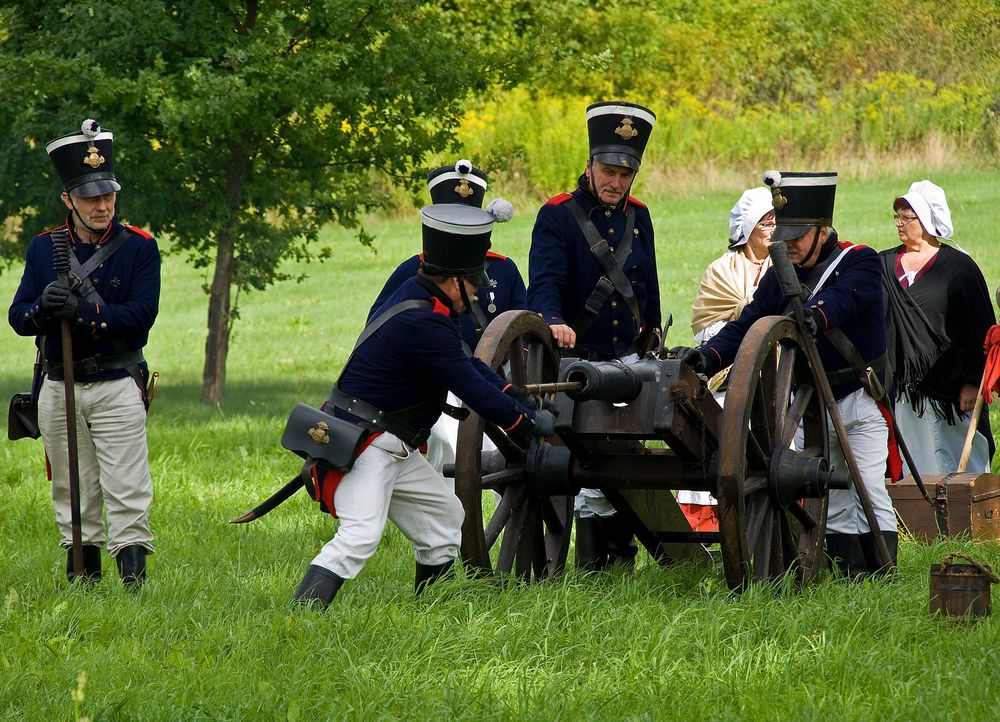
[55,296]
[693,357]
[521,395]
[545,423]
[811,324]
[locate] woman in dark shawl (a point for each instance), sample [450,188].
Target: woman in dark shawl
[938,312]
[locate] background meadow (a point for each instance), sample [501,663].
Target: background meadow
[212,635]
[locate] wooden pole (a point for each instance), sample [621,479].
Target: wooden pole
[60,257]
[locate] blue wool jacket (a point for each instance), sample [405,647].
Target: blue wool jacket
[563,271]
[850,299]
[417,355]
[129,283]
[506,292]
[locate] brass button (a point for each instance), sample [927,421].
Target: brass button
[614,304]
[611,231]
[607,213]
[614,339]
[93,323]
[615,322]
[103,325]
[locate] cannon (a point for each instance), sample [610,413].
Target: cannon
[642,431]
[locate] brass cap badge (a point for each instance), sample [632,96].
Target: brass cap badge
[318,433]
[625,130]
[463,188]
[93,159]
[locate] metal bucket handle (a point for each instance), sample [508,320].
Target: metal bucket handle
[986,571]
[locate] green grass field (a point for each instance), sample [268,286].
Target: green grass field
[212,635]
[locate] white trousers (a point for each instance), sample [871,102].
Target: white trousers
[390,480]
[443,441]
[868,435]
[113,461]
[935,445]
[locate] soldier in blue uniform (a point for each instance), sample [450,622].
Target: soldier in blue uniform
[110,311]
[502,289]
[592,277]
[393,385]
[841,289]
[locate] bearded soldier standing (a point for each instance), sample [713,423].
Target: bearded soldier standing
[110,300]
[592,277]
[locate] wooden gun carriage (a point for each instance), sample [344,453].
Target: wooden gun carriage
[641,431]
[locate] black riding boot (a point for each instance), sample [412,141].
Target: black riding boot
[318,588]
[131,561]
[622,548]
[845,550]
[427,574]
[591,544]
[872,557]
[91,564]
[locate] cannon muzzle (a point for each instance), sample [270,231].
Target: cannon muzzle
[610,380]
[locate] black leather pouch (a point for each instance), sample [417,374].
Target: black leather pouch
[315,434]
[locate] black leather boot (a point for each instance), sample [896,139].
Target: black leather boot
[873,559]
[846,552]
[591,545]
[622,548]
[91,564]
[318,588]
[427,574]
[131,561]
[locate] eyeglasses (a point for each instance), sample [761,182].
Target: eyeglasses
[902,220]
[765,226]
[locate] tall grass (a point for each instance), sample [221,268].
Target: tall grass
[212,636]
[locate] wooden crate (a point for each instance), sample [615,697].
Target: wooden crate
[973,505]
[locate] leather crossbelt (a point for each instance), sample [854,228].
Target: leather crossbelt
[614,278]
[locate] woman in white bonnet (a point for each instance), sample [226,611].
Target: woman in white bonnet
[730,281]
[728,285]
[938,310]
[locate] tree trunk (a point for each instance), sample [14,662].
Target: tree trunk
[213,379]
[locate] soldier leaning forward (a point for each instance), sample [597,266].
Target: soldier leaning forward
[393,385]
[110,301]
[841,290]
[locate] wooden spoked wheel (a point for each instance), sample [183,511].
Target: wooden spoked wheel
[527,532]
[773,390]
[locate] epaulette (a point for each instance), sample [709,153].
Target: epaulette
[491,254]
[56,228]
[559,199]
[138,231]
[637,202]
[440,308]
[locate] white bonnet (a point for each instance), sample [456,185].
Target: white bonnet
[749,209]
[928,202]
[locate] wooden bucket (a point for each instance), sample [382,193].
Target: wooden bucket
[961,591]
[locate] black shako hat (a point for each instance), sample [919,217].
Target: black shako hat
[459,183]
[801,201]
[618,132]
[85,160]
[456,237]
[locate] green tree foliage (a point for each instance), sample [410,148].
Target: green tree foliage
[241,127]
